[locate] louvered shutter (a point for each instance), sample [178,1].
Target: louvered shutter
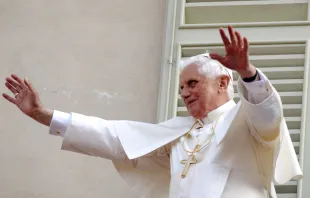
[192,28]
[283,64]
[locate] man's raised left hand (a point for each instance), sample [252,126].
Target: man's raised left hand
[237,55]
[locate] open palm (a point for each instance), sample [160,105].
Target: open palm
[26,97]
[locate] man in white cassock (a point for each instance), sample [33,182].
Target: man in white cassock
[222,150]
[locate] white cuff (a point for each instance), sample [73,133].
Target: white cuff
[59,123]
[257,86]
[258,90]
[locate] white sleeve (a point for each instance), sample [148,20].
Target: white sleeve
[263,108]
[90,135]
[59,124]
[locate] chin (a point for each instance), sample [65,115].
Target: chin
[194,114]
[197,114]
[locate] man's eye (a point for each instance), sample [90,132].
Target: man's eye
[193,84]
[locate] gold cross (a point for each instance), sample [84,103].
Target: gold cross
[191,160]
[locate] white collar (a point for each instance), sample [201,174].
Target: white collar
[213,115]
[227,117]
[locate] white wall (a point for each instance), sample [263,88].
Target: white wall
[99,58]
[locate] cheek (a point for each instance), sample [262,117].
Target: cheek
[202,102]
[200,97]
[204,99]
[197,95]
[202,94]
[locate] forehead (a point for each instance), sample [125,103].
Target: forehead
[190,72]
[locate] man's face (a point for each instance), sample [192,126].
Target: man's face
[198,91]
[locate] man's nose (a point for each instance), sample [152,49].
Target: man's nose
[185,93]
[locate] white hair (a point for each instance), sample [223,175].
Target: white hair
[210,68]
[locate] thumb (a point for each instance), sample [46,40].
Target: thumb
[217,57]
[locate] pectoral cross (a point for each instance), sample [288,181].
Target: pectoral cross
[191,160]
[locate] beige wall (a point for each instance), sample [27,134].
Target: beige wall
[114,50]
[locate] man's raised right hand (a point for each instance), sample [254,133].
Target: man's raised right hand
[26,98]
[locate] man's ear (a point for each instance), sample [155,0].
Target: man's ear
[224,81]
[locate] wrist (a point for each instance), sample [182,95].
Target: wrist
[248,72]
[43,115]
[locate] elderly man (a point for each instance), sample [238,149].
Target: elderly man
[222,150]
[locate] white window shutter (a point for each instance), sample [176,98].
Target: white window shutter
[282,55]
[283,64]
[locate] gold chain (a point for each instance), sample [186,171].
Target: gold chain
[198,148]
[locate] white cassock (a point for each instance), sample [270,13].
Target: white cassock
[237,163]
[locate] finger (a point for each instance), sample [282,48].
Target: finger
[29,85]
[217,57]
[9,98]
[223,60]
[239,40]
[232,35]
[246,45]
[19,80]
[14,83]
[224,37]
[11,88]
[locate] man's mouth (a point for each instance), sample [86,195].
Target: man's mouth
[190,102]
